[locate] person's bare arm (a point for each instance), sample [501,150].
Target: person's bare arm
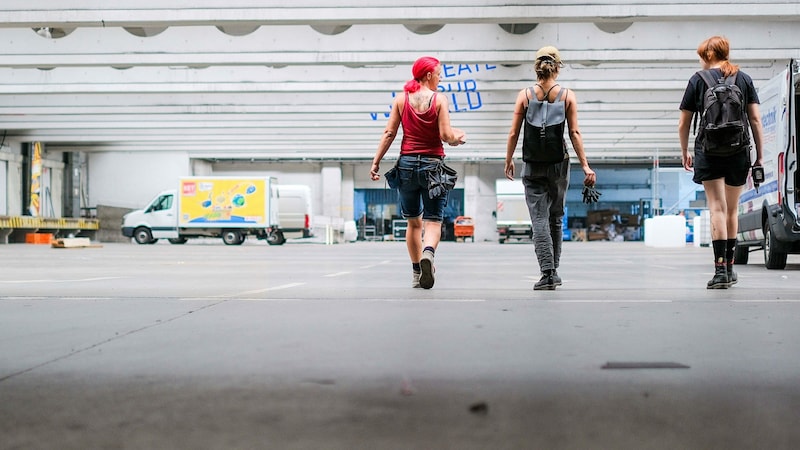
[389,133]
[520,105]
[684,126]
[590,178]
[453,136]
[754,116]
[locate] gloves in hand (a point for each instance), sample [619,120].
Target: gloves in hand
[590,194]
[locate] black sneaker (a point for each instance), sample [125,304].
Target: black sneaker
[720,278]
[732,277]
[556,278]
[426,277]
[547,282]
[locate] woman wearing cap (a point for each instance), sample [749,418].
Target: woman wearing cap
[425,117]
[544,108]
[722,177]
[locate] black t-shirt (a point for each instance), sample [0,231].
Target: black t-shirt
[693,96]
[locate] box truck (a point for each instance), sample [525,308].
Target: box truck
[512,215]
[225,207]
[768,214]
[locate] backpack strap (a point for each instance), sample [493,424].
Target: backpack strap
[707,78]
[705,75]
[546,94]
[559,95]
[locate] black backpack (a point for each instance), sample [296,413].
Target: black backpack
[543,140]
[723,121]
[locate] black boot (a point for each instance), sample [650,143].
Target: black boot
[720,279]
[732,278]
[546,283]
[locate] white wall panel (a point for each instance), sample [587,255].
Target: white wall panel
[132,179]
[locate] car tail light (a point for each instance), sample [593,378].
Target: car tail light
[307,222]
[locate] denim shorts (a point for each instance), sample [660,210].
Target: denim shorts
[414,199]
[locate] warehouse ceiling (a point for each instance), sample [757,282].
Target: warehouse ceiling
[240,79]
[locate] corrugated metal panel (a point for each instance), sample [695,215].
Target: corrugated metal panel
[380,196]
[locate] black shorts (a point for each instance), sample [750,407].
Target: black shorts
[734,168]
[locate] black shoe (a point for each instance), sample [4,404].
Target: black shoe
[732,277]
[556,278]
[547,282]
[720,279]
[426,277]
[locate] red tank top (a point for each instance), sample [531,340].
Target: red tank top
[421,131]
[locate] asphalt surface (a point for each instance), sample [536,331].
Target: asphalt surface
[307,346]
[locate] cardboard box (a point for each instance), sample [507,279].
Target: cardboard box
[602,216]
[597,236]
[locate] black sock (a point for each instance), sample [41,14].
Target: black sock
[730,245]
[415,267]
[430,249]
[719,250]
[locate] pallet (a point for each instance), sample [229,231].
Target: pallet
[80,242]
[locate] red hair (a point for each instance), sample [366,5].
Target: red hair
[717,49]
[421,67]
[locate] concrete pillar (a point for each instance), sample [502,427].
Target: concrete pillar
[332,190]
[201,168]
[348,189]
[14,185]
[56,191]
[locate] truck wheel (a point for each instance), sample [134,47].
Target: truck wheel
[178,241]
[232,237]
[741,254]
[276,238]
[142,236]
[773,258]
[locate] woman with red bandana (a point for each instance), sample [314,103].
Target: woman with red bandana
[425,116]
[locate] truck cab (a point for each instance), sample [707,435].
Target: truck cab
[768,214]
[158,220]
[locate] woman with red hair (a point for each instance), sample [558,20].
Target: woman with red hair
[425,117]
[722,176]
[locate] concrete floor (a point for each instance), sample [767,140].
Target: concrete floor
[311,346]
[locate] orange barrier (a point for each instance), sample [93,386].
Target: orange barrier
[38,238]
[463,228]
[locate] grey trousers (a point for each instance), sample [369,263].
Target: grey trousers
[545,192]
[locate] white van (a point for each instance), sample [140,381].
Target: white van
[294,210]
[768,218]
